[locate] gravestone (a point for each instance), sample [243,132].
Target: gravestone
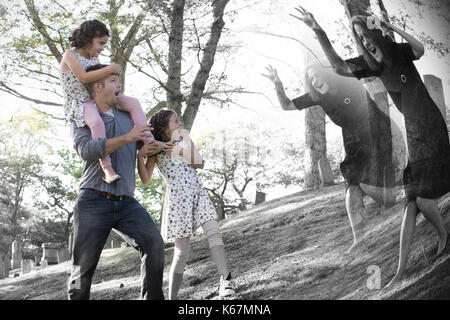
[63,255]
[436,91]
[220,212]
[37,260]
[44,264]
[260,197]
[70,243]
[107,244]
[50,253]
[26,266]
[326,175]
[16,255]
[115,243]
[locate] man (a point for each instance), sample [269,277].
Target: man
[100,206]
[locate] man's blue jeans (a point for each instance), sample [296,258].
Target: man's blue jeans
[94,217]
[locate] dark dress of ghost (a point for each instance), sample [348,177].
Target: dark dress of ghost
[368,152]
[427,173]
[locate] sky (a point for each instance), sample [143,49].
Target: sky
[257,50]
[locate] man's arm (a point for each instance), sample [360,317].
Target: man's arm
[90,150]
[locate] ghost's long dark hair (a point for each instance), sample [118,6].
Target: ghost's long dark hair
[376,35]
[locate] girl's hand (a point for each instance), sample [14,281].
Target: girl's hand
[168,148]
[306,17]
[273,75]
[115,68]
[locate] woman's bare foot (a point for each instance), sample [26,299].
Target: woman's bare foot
[355,245]
[398,276]
[110,175]
[443,243]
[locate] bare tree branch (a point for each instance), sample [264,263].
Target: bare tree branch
[37,22]
[11,91]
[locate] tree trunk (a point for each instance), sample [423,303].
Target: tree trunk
[315,145]
[174,95]
[121,49]
[209,52]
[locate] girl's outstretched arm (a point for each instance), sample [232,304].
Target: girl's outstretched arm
[285,102]
[145,168]
[75,66]
[338,64]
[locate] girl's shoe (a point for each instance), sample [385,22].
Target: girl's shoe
[226,286]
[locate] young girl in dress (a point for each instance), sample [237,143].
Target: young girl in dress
[186,203]
[427,174]
[87,42]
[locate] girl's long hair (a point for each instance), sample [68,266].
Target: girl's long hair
[160,121]
[376,35]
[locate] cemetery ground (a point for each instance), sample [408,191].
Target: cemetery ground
[288,248]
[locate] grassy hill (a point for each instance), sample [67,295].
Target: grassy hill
[288,248]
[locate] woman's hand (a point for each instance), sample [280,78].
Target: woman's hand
[306,17]
[273,74]
[373,22]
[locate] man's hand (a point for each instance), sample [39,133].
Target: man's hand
[306,17]
[138,133]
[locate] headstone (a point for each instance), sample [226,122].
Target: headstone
[26,266]
[107,244]
[115,243]
[44,264]
[70,243]
[37,260]
[50,253]
[63,255]
[220,212]
[326,176]
[436,91]
[260,197]
[16,256]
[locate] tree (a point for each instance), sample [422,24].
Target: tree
[54,220]
[31,59]
[20,164]
[243,159]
